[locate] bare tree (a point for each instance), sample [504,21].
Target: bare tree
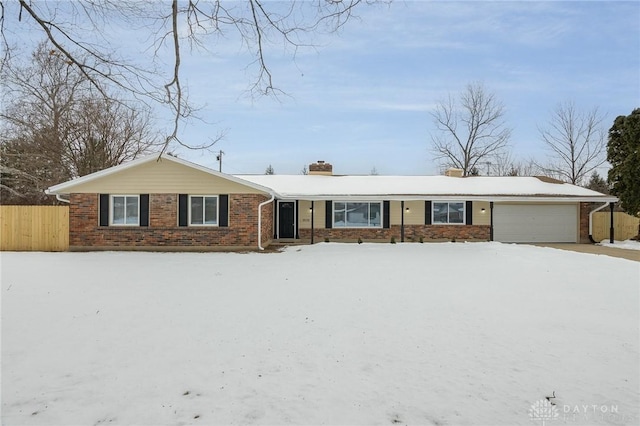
[55,126]
[86,27]
[576,142]
[471,130]
[507,165]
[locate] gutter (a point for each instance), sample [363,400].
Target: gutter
[591,222]
[273,197]
[58,196]
[454,197]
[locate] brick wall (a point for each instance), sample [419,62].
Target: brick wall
[163,229]
[411,233]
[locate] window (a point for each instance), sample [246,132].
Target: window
[357,215]
[448,212]
[203,210]
[125,210]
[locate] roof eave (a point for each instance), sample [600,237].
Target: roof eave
[449,197]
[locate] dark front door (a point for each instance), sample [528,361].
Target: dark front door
[286,219]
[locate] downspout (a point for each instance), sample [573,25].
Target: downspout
[591,222]
[58,197]
[273,197]
[63,200]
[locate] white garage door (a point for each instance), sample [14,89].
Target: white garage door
[532,223]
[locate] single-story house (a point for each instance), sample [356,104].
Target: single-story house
[161,202]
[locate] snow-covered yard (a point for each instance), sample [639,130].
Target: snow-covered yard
[433,334]
[626,244]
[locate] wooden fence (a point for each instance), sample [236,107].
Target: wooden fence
[34,228]
[624,226]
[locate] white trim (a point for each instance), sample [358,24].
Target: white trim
[455,197]
[264,203]
[464,212]
[112,205]
[333,214]
[217,197]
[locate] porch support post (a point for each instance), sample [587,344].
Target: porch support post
[402,221]
[312,203]
[491,219]
[611,224]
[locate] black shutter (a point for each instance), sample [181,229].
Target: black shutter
[328,220]
[144,209]
[469,212]
[427,212]
[104,210]
[183,209]
[223,210]
[386,222]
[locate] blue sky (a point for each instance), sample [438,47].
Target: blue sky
[362,97]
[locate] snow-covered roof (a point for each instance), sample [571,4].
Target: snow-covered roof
[419,187]
[335,187]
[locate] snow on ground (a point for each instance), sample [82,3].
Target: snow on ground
[627,244]
[375,334]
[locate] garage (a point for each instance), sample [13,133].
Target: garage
[535,223]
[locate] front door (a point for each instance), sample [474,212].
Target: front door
[286,219]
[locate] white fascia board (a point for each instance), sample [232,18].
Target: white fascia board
[458,197]
[547,199]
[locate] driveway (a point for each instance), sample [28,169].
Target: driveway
[596,249]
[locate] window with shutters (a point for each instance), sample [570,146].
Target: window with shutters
[203,210]
[448,212]
[125,210]
[357,215]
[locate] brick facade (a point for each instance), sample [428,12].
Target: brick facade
[163,231]
[583,234]
[411,233]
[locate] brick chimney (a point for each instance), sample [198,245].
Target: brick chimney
[320,168]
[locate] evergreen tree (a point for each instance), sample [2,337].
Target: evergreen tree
[269,170]
[597,183]
[623,153]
